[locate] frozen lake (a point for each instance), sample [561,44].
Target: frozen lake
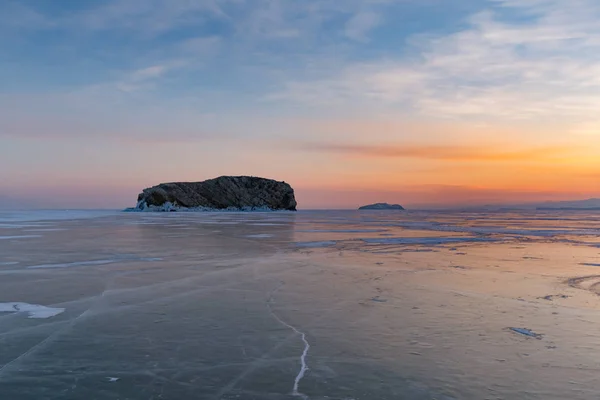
[309,305]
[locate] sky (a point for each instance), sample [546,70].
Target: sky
[417,102]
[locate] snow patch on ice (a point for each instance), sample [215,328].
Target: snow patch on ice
[327,243]
[45,230]
[93,262]
[19,226]
[20,237]
[34,310]
[73,264]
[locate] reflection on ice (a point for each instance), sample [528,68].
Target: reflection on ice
[344,230]
[428,240]
[316,244]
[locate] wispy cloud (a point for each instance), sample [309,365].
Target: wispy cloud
[148,17]
[444,153]
[199,45]
[358,27]
[143,74]
[143,78]
[266,18]
[16,16]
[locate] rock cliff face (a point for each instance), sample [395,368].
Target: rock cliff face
[382,206]
[225,192]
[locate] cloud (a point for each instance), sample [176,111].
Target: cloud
[199,45]
[16,16]
[443,153]
[143,74]
[148,17]
[151,18]
[361,24]
[121,110]
[589,129]
[498,68]
[144,78]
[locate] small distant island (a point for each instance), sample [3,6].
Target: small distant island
[382,206]
[227,193]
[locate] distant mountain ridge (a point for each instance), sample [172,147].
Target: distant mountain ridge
[591,204]
[587,204]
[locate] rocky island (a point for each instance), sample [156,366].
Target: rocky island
[382,206]
[233,193]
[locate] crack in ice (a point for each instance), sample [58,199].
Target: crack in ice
[304,365]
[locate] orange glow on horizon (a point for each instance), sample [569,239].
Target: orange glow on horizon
[476,167]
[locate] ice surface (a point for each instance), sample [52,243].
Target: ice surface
[320,305]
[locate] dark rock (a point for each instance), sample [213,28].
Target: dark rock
[225,192]
[382,206]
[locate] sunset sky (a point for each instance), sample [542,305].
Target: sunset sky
[418,102]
